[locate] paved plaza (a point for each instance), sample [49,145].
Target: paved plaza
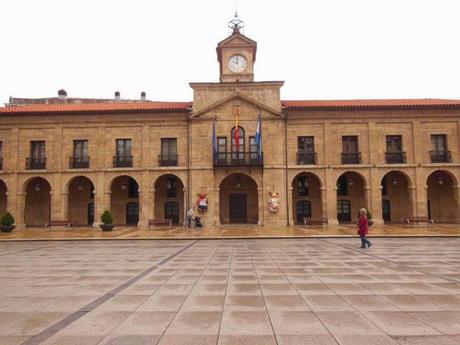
[315,291]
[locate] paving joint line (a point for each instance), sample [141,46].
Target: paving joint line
[58,326]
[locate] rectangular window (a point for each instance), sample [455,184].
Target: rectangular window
[306,144]
[169,146]
[394,143]
[123,147]
[80,149]
[37,149]
[439,142]
[253,156]
[350,144]
[222,149]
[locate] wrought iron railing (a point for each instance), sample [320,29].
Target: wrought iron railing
[395,157]
[351,157]
[228,159]
[79,162]
[168,160]
[122,161]
[33,163]
[306,158]
[441,157]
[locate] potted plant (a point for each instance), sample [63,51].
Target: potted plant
[6,222]
[370,222]
[107,221]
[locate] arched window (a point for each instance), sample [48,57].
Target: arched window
[303,210]
[238,150]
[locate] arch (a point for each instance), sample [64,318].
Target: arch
[124,189]
[351,187]
[3,197]
[80,191]
[404,174]
[449,173]
[37,206]
[169,189]
[238,200]
[396,197]
[441,200]
[306,186]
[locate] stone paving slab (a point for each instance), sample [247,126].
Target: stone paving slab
[402,291]
[230,232]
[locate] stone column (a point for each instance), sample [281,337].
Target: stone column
[375,203]
[144,206]
[413,200]
[65,205]
[17,208]
[456,191]
[102,203]
[56,206]
[291,206]
[331,210]
[260,199]
[324,201]
[153,203]
[216,206]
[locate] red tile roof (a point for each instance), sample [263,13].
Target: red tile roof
[145,107]
[371,103]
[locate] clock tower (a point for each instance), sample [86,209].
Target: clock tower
[236,55]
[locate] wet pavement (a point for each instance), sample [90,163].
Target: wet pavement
[402,291]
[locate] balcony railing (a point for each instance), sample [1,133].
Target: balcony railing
[35,163]
[351,157]
[395,157]
[79,162]
[441,157]
[306,158]
[169,160]
[229,159]
[122,161]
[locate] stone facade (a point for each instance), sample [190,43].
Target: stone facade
[322,187]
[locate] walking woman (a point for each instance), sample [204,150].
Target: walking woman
[363,228]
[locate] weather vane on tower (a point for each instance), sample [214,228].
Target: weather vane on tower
[236,24]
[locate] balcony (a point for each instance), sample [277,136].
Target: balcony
[440,157]
[351,157]
[122,161]
[395,157]
[34,163]
[169,160]
[233,159]
[306,158]
[79,163]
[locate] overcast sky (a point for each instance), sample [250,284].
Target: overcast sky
[322,49]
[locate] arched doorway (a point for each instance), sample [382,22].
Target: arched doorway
[169,198]
[80,209]
[238,200]
[124,200]
[306,197]
[396,199]
[442,206]
[38,202]
[3,198]
[350,196]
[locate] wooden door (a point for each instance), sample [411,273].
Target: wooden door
[238,208]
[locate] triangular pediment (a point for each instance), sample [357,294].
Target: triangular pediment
[237,39]
[240,97]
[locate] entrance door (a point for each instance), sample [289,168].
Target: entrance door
[172,211]
[238,208]
[303,210]
[386,213]
[132,213]
[343,211]
[91,213]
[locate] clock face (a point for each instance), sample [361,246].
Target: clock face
[237,63]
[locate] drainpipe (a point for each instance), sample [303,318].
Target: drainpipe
[286,166]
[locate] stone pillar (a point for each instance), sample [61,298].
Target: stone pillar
[216,206]
[375,203]
[260,199]
[102,203]
[456,191]
[17,208]
[57,204]
[65,205]
[145,201]
[331,208]
[324,202]
[291,206]
[413,200]
[184,213]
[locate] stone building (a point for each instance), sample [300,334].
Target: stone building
[70,159]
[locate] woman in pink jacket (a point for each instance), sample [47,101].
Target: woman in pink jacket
[363,228]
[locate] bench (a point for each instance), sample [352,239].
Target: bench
[322,221]
[418,220]
[58,223]
[155,222]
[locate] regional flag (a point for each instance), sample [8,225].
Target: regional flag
[258,137]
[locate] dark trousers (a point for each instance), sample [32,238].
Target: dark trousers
[364,241]
[189,221]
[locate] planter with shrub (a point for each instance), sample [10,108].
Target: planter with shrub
[107,221]
[6,222]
